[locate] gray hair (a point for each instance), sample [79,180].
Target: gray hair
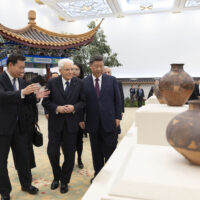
[106,67]
[63,61]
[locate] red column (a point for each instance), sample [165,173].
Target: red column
[48,71]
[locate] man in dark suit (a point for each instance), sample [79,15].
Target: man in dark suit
[132,94]
[108,71]
[151,91]
[103,112]
[15,99]
[64,104]
[53,75]
[139,95]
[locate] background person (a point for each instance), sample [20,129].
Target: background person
[132,94]
[139,95]
[108,71]
[78,72]
[53,75]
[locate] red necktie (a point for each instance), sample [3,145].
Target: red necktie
[97,87]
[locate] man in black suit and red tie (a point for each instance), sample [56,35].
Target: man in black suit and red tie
[15,99]
[64,104]
[103,112]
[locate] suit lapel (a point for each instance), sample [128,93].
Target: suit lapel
[60,86]
[7,81]
[71,87]
[21,85]
[92,84]
[103,84]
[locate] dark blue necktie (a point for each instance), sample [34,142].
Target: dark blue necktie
[67,87]
[14,84]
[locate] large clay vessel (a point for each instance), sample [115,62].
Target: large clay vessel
[183,132]
[157,93]
[176,86]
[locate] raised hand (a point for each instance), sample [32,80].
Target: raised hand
[30,89]
[42,94]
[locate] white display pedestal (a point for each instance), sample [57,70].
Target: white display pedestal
[152,100]
[151,121]
[103,181]
[156,173]
[147,172]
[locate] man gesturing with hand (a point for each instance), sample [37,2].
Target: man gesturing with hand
[64,104]
[15,98]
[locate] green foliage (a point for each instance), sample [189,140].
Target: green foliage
[99,46]
[128,103]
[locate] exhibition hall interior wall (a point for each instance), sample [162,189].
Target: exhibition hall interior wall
[146,43]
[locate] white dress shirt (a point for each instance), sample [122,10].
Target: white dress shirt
[64,83]
[94,81]
[11,80]
[16,83]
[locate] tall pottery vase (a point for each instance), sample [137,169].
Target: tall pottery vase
[157,93]
[183,132]
[176,86]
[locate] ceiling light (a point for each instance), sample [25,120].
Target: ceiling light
[86,8]
[146,7]
[192,3]
[83,8]
[39,2]
[131,6]
[61,18]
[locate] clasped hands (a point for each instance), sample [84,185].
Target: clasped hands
[65,109]
[36,89]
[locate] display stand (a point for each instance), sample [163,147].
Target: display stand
[151,121]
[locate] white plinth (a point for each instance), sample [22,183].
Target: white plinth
[151,121]
[103,182]
[152,100]
[156,173]
[145,172]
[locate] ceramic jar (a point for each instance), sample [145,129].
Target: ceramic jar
[176,86]
[183,132]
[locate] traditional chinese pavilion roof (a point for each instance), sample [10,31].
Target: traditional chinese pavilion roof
[37,37]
